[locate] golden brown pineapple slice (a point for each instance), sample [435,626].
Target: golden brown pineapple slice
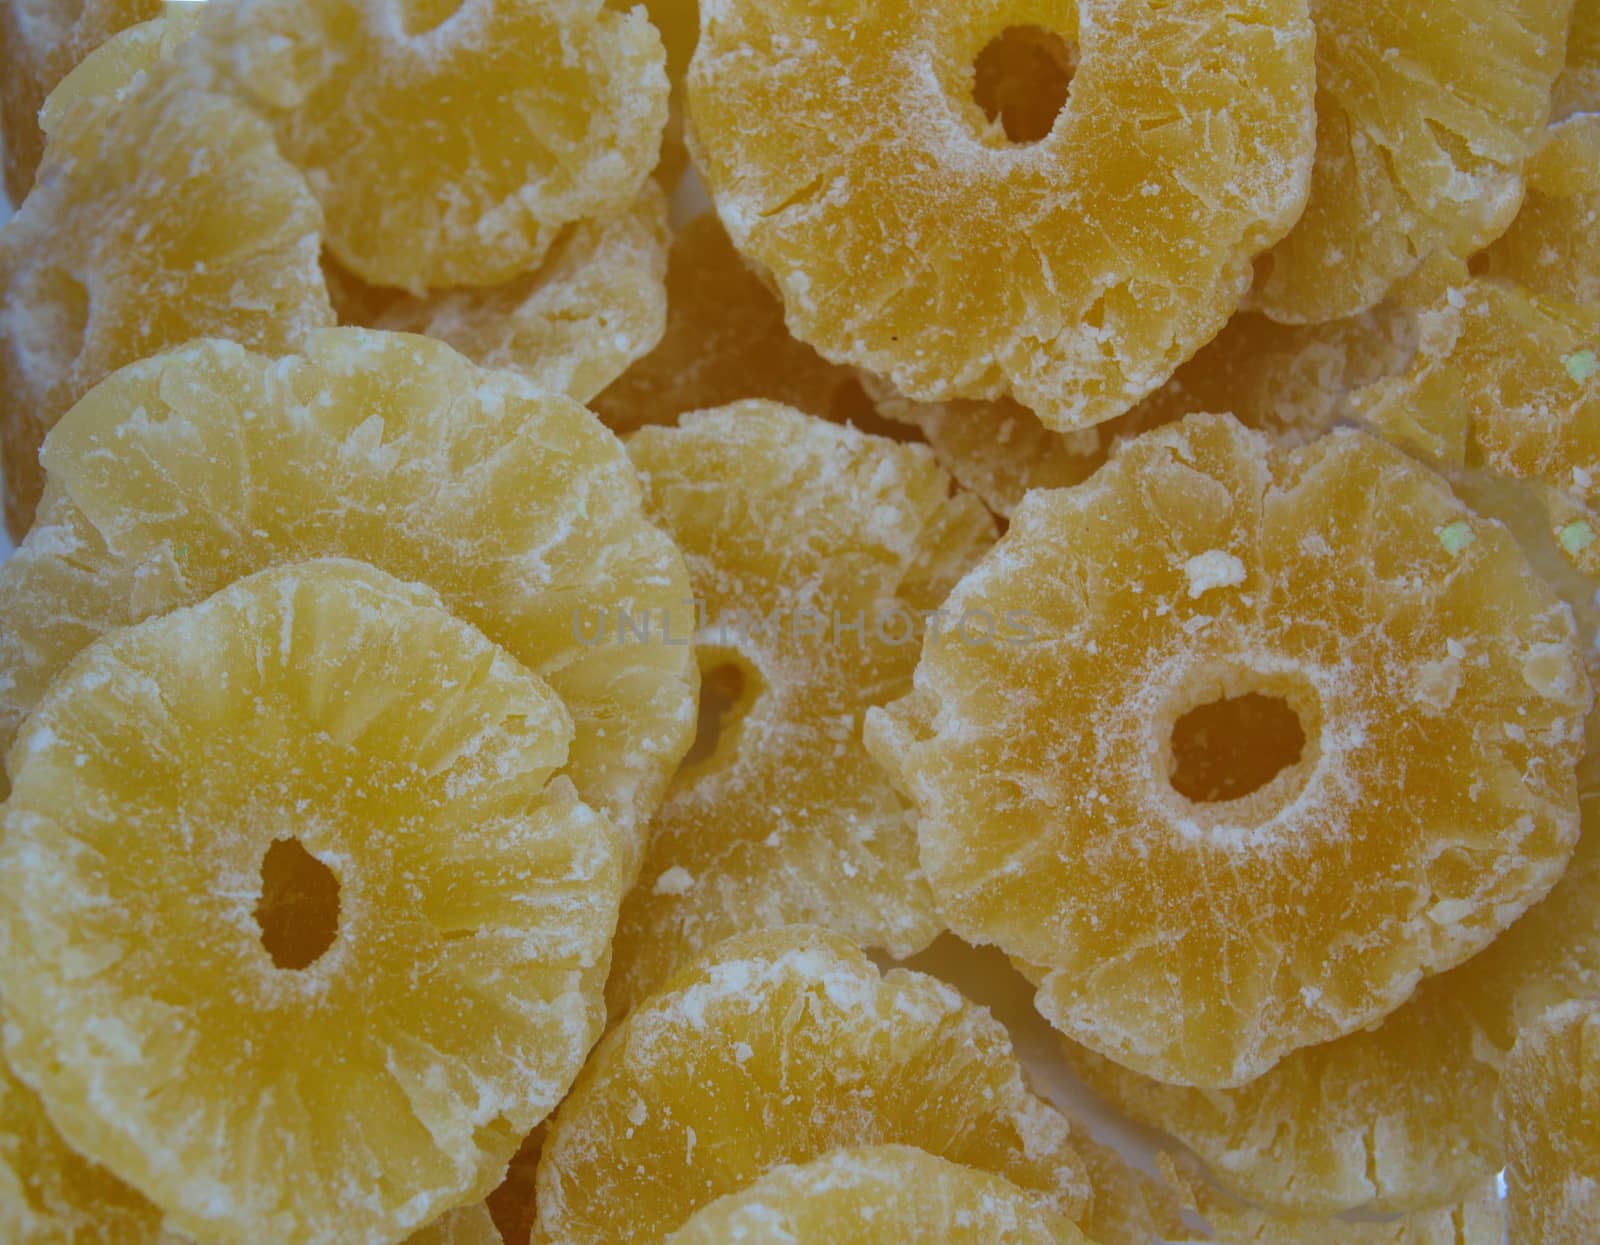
[450,141]
[185,472]
[814,551]
[779,1048]
[917,222]
[1552,1125]
[1386,646]
[169,216]
[1426,115]
[874,1194]
[301,928]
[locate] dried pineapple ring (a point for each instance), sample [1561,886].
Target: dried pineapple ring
[171,216]
[873,1194]
[910,236]
[1553,246]
[777,1048]
[1578,87]
[314,813]
[481,128]
[1552,1122]
[39,45]
[1184,785]
[725,342]
[1401,1117]
[597,303]
[181,474]
[1425,118]
[813,551]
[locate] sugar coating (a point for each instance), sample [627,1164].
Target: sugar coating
[813,551]
[907,235]
[184,472]
[450,145]
[1551,1103]
[326,702]
[1577,90]
[667,1117]
[1048,823]
[872,1194]
[165,215]
[596,303]
[1425,118]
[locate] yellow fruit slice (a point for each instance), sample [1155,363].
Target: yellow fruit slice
[725,341]
[678,23]
[814,552]
[873,1194]
[171,216]
[909,234]
[1178,799]
[449,144]
[597,303]
[1578,87]
[1553,246]
[39,46]
[779,1048]
[1425,118]
[185,472]
[302,930]
[1552,1120]
[111,71]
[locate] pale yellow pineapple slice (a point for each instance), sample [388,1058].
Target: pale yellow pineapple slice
[302,926]
[169,215]
[814,552]
[869,1195]
[597,303]
[920,220]
[1426,114]
[450,141]
[185,472]
[111,71]
[1578,87]
[1196,902]
[1551,1102]
[678,23]
[779,1048]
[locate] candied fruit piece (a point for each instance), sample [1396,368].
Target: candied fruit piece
[678,24]
[597,303]
[301,928]
[450,143]
[873,1194]
[777,1048]
[814,552]
[170,216]
[1084,806]
[185,472]
[1578,87]
[1551,1101]
[910,235]
[725,342]
[1553,245]
[1397,1118]
[40,43]
[1426,115]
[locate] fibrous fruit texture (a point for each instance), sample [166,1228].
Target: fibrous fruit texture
[1578,87]
[180,474]
[169,215]
[450,142]
[1425,118]
[936,204]
[1552,1125]
[815,553]
[874,1194]
[780,1048]
[301,926]
[1178,800]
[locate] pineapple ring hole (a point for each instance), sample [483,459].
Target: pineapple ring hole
[729,686]
[421,17]
[1232,747]
[298,912]
[1024,77]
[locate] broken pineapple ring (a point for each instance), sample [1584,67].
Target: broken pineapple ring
[1007,197]
[1179,802]
[318,871]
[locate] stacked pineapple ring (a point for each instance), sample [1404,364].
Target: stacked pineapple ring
[348,675]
